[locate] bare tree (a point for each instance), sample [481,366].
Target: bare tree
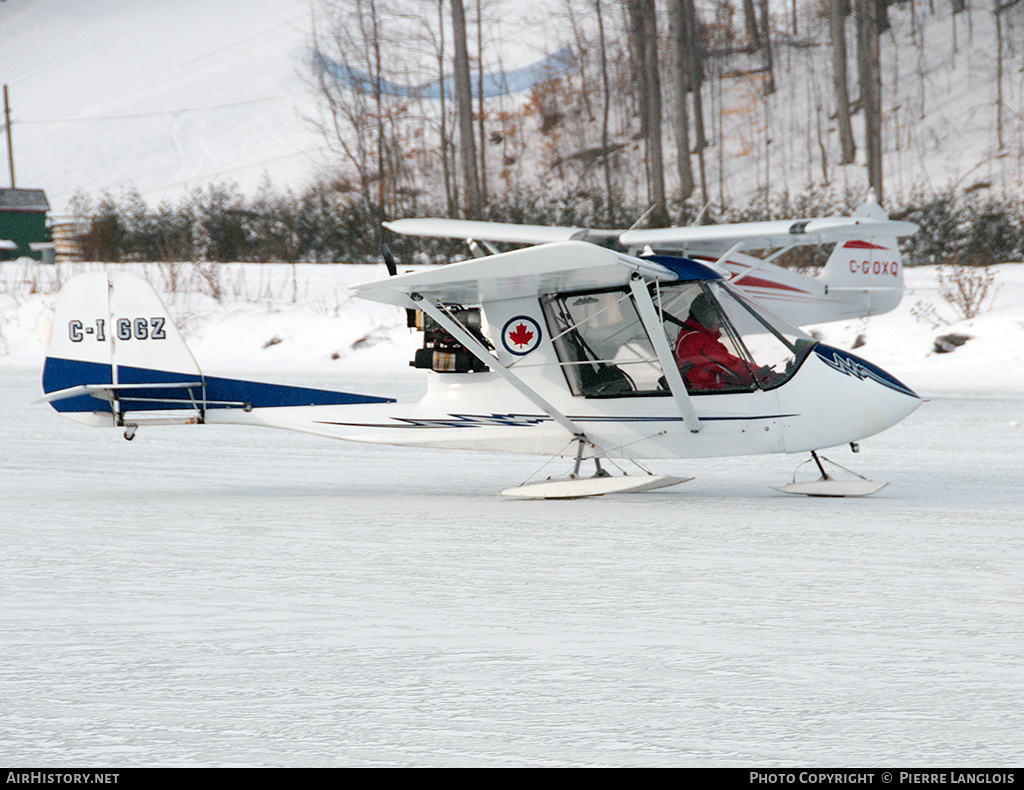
[464,99]
[480,99]
[678,36]
[695,67]
[870,74]
[769,85]
[838,11]
[353,121]
[605,110]
[644,29]
[997,10]
[447,165]
[370,26]
[654,136]
[750,23]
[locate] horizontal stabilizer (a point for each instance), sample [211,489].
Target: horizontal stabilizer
[108,391]
[141,389]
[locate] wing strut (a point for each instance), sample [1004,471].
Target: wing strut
[762,262]
[477,348]
[649,318]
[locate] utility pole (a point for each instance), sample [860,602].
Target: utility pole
[10,144]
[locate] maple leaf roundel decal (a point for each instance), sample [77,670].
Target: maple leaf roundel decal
[521,335]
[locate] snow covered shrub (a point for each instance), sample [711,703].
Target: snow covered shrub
[967,288]
[926,313]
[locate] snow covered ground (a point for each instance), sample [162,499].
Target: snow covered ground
[231,597]
[223,596]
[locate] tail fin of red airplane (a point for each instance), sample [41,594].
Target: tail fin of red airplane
[865,275]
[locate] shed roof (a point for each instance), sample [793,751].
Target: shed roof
[23,200]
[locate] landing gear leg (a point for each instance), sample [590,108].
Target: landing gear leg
[580,442]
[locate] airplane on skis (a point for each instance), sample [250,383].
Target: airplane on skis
[590,351]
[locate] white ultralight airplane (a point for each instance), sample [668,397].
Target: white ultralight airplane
[566,348]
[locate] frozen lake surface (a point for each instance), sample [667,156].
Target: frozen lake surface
[223,596]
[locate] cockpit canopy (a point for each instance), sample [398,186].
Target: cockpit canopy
[721,341]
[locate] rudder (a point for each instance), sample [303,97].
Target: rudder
[115,357]
[110,330]
[868,271]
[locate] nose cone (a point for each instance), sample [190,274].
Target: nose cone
[852,365]
[843,398]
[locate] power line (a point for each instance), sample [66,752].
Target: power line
[163,113]
[249,166]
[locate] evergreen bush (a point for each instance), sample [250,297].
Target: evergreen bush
[322,224]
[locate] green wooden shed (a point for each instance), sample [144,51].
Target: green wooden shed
[22,221]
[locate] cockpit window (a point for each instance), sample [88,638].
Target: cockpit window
[721,342]
[602,345]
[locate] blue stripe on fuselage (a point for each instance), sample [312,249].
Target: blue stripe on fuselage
[525,420]
[61,374]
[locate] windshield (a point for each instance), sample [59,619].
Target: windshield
[720,340]
[723,342]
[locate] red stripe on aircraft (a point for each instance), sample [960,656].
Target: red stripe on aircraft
[862,245]
[757,282]
[752,282]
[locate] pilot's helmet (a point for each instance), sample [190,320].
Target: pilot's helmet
[702,310]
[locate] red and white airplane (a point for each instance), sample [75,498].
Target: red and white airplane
[862,277]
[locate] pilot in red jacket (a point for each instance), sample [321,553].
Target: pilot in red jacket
[704,362]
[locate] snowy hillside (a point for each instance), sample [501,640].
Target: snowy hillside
[170,96]
[279,318]
[165,96]
[938,103]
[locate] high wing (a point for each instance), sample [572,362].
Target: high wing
[508,286]
[561,266]
[438,228]
[767,235]
[867,222]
